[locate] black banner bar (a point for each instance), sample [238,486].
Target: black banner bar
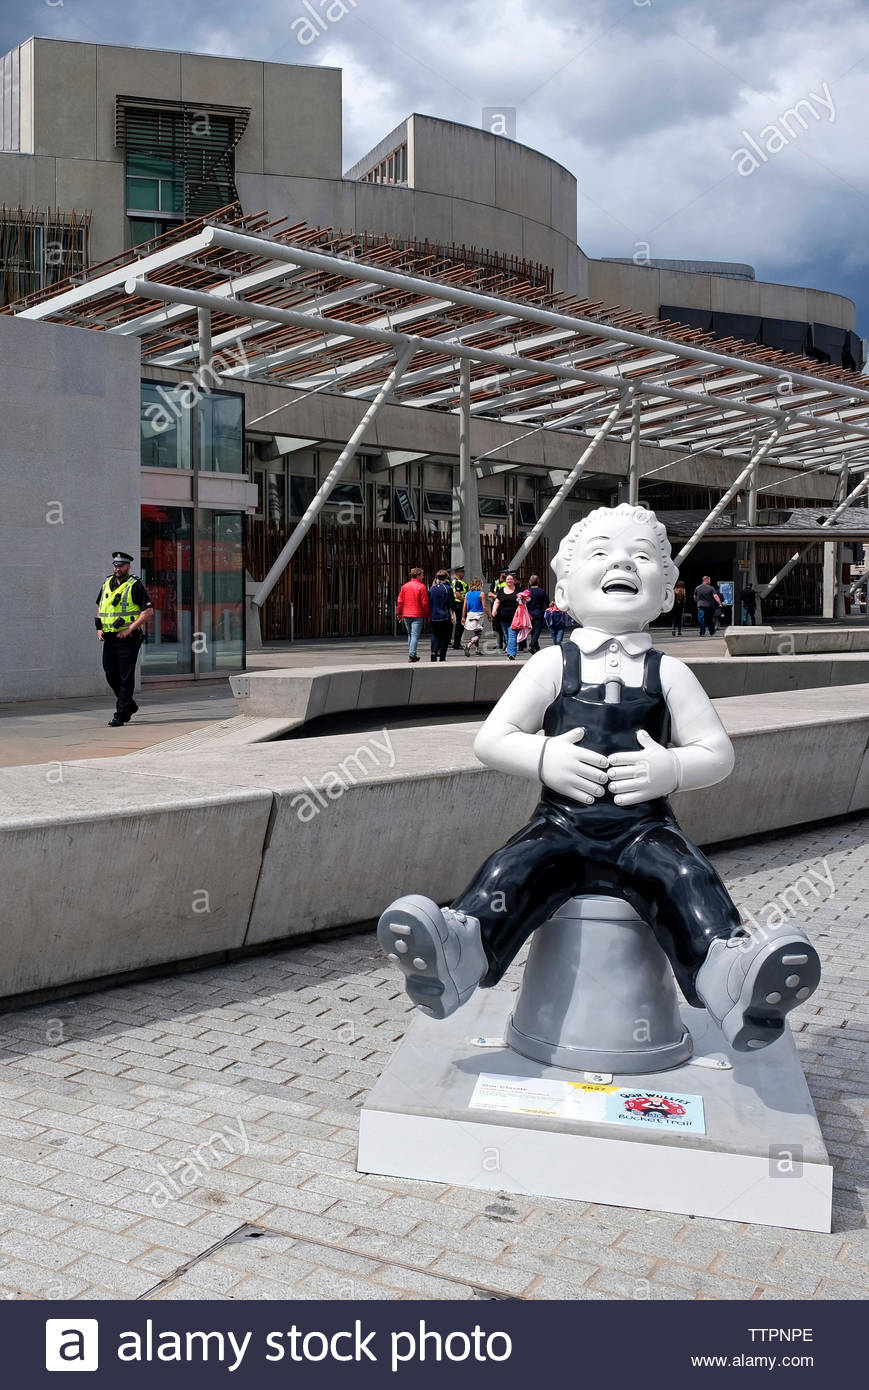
[480,1343]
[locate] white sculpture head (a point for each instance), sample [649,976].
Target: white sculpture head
[614,569]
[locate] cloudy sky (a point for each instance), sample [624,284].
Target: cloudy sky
[647,102]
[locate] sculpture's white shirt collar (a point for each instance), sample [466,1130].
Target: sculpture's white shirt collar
[591,640]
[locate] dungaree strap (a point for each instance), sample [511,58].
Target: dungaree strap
[652,673]
[571,678]
[571,668]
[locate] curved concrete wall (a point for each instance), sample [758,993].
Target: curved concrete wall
[646,287]
[298,696]
[216,850]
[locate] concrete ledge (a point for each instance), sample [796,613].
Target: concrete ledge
[766,641]
[300,696]
[291,698]
[110,870]
[129,863]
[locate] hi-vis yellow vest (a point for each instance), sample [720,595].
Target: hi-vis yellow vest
[117,609]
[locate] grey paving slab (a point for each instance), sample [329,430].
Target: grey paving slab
[96,1217]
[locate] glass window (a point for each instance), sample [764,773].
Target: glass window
[167,573]
[345,494]
[220,567]
[440,502]
[144,230]
[494,506]
[155,183]
[404,507]
[221,433]
[527,514]
[37,251]
[164,426]
[301,495]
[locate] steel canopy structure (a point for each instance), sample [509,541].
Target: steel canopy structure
[313,311]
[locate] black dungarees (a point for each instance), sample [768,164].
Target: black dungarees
[638,853]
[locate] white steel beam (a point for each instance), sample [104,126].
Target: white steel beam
[114,279]
[261,246]
[344,459]
[634,456]
[511,362]
[758,455]
[568,485]
[799,554]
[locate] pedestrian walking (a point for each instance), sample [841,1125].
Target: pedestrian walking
[442,610]
[708,601]
[538,602]
[460,588]
[473,609]
[412,609]
[494,593]
[556,624]
[123,608]
[749,605]
[504,609]
[679,597]
[521,623]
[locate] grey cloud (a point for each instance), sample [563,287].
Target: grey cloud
[646,115]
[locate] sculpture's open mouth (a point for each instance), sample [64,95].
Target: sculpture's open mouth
[622,585]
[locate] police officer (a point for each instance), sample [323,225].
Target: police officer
[459,588]
[123,607]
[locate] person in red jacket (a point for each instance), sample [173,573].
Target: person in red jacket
[412,609]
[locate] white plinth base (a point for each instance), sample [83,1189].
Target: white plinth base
[761,1160]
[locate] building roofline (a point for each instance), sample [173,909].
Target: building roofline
[180,52]
[478,130]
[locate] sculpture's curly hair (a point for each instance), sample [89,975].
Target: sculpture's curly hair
[565,555]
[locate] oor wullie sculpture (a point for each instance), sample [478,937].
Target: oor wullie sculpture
[624,726]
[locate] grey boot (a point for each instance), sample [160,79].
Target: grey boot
[438,950]
[750,983]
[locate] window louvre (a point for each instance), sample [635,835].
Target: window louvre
[199,141]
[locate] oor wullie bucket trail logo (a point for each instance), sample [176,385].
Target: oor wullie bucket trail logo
[654,1105]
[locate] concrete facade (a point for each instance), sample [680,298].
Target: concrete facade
[67,155]
[465,186]
[70,482]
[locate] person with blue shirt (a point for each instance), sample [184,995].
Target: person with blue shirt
[473,609]
[442,615]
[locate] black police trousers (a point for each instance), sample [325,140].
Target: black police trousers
[119,664]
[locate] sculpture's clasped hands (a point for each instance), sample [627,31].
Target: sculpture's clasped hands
[571,770]
[651,772]
[583,775]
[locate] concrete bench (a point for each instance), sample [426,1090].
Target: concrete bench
[301,695]
[802,641]
[277,702]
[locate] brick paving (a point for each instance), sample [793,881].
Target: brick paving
[194,1137]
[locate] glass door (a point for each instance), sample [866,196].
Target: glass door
[220,584]
[167,573]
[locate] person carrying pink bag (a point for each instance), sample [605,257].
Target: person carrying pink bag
[522,622]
